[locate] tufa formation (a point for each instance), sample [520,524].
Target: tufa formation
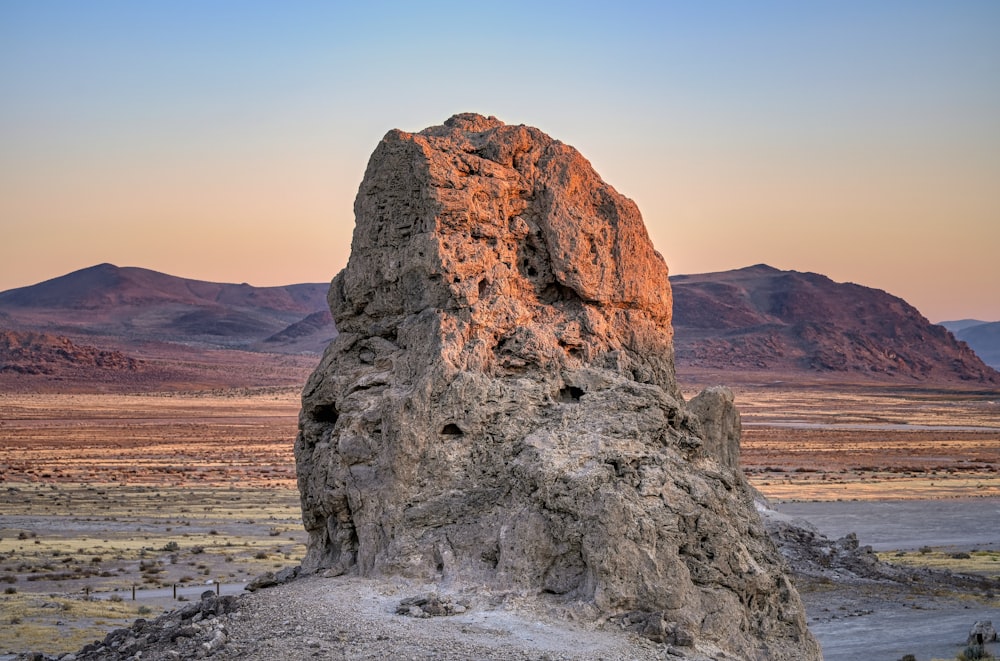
[500,407]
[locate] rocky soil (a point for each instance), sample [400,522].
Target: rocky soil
[351,618]
[311,616]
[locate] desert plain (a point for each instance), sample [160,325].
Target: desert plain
[172,493]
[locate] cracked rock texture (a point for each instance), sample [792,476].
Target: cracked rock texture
[500,407]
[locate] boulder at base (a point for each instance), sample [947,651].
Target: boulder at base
[500,407]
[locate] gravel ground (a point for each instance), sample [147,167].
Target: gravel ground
[348,618]
[352,618]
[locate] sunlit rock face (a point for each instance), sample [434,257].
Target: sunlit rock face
[500,407]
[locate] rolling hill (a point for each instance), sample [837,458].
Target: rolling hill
[752,323]
[133,305]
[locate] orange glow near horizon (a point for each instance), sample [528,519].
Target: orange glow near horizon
[860,141]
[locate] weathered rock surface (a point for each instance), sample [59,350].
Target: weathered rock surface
[500,407]
[982,632]
[195,631]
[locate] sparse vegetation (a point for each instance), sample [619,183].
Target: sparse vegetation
[977,562]
[974,652]
[903,460]
[144,506]
[70,558]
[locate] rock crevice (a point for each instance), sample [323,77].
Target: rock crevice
[500,407]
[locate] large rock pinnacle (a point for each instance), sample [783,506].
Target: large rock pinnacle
[500,407]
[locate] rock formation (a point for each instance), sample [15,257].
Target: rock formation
[500,407]
[42,353]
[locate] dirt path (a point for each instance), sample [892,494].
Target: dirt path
[351,618]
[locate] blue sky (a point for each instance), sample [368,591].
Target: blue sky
[226,140]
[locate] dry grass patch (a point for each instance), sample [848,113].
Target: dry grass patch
[57,623]
[983,563]
[105,539]
[870,444]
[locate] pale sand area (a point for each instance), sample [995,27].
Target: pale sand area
[961,524]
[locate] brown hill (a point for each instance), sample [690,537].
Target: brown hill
[310,334]
[133,305]
[756,322]
[760,319]
[43,362]
[41,353]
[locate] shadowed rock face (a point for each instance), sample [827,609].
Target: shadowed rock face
[500,406]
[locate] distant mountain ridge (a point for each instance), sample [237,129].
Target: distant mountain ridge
[982,336]
[961,324]
[757,320]
[98,287]
[134,304]
[761,319]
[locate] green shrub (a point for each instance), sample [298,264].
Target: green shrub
[974,652]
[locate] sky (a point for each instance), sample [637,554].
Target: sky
[225,141]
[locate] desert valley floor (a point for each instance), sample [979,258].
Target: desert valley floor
[165,493]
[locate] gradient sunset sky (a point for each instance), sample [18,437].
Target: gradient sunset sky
[225,141]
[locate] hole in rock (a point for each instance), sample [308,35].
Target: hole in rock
[556,292]
[451,429]
[490,556]
[326,413]
[571,394]
[482,287]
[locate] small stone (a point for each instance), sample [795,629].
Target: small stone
[265,580]
[982,632]
[287,574]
